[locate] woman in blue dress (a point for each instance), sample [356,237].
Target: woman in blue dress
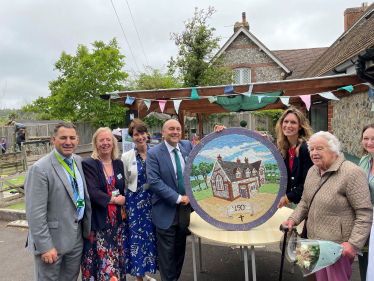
[139,239]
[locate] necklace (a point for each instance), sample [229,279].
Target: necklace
[106,163]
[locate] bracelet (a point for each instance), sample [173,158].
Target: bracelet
[287,200]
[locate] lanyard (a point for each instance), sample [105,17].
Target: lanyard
[141,163]
[110,179]
[72,174]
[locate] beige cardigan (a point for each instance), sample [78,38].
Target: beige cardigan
[131,169]
[341,210]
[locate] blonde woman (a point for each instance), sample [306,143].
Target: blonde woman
[103,255]
[293,132]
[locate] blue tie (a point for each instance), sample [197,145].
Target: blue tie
[69,162]
[182,191]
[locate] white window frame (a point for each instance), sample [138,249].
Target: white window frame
[219,183]
[241,70]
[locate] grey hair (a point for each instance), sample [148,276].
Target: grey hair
[331,140]
[64,124]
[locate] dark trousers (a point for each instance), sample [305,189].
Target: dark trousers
[171,244]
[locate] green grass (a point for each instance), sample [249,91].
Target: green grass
[19,206]
[194,183]
[203,194]
[269,188]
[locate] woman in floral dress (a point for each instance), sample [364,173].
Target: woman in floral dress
[103,256]
[139,239]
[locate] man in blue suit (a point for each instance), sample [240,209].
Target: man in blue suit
[171,209]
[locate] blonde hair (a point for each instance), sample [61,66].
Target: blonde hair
[305,131]
[95,152]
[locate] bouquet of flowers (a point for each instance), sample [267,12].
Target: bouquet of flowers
[312,255]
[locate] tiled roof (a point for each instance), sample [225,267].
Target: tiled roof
[230,167]
[351,43]
[299,60]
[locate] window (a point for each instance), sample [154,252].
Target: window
[238,173]
[253,187]
[219,183]
[241,76]
[254,172]
[318,114]
[247,173]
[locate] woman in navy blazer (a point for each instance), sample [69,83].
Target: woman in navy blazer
[103,255]
[293,132]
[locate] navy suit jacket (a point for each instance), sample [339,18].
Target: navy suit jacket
[163,183]
[97,189]
[296,178]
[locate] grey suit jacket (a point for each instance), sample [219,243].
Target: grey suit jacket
[51,208]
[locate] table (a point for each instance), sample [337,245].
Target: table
[265,234]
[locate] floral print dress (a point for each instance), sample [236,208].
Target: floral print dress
[139,239]
[103,255]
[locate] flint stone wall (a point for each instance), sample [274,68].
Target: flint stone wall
[350,115]
[243,52]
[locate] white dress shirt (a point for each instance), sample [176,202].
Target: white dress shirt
[172,156]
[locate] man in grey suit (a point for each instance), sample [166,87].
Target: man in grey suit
[58,209]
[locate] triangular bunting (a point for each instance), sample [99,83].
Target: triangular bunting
[194,95]
[285,100]
[176,105]
[348,88]
[229,89]
[129,100]
[328,95]
[371,94]
[372,107]
[260,97]
[306,100]
[162,103]
[249,93]
[212,99]
[147,103]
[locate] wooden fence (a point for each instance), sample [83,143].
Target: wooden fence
[84,130]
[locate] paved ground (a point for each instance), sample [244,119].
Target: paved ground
[220,263]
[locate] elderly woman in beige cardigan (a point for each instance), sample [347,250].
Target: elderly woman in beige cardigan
[341,210]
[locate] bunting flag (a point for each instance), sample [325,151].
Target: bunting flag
[372,107]
[260,97]
[194,95]
[147,103]
[285,100]
[328,95]
[249,93]
[212,99]
[348,88]
[162,103]
[176,105]
[114,95]
[306,100]
[371,93]
[229,89]
[129,100]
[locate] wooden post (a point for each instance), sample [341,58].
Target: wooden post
[14,142]
[201,120]
[2,200]
[181,121]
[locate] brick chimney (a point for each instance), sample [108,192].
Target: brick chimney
[246,160]
[244,23]
[219,158]
[351,15]
[238,160]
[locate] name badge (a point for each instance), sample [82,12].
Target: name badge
[115,193]
[119,176]
[80,203]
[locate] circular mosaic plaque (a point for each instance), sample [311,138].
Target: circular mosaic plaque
[235,179]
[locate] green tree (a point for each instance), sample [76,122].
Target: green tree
[205,168]
[14,115]
[268,167]
[196,62]
[152,79]
[275,167]
[196,173]
[83,77]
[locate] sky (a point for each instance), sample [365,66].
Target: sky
[34,33]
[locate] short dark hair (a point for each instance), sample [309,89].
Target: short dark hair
[138,125]
[64,124]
